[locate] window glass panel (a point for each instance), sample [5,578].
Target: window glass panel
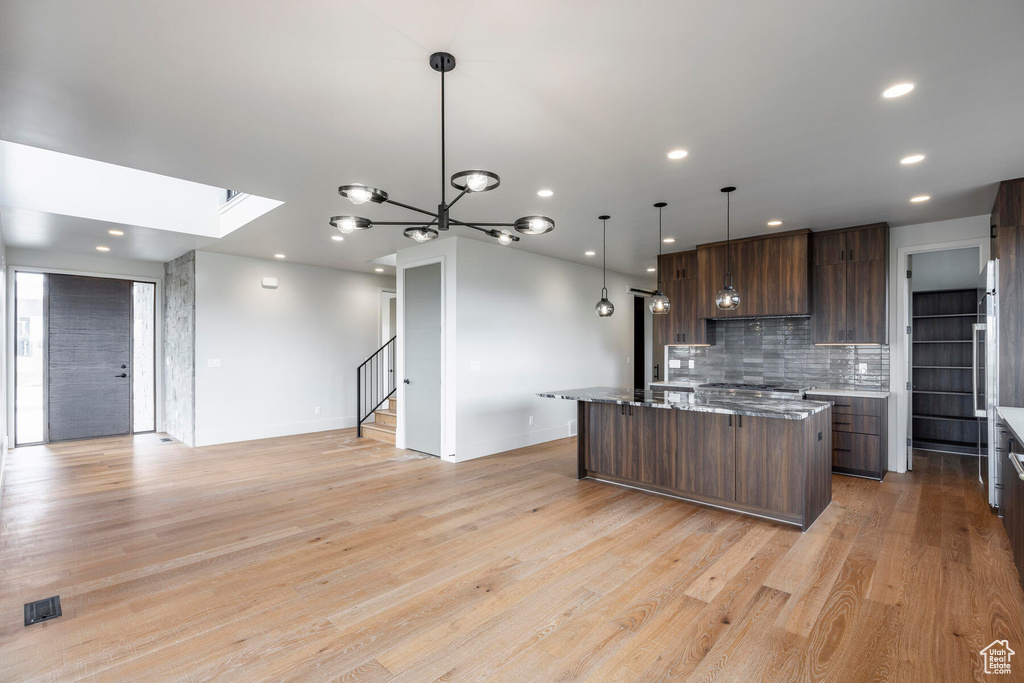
[143,357]
[29,337]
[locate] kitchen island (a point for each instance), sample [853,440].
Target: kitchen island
[765,457]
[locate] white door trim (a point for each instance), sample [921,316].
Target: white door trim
[897,351]
[447,383]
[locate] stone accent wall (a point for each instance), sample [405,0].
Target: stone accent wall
[180,347]
[779,351]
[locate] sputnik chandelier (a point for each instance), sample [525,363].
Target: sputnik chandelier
[466,182]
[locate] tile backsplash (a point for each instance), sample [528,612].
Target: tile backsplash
[779,351]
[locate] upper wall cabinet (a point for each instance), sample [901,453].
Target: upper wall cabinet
[677,276]
[771,274]
[850,286]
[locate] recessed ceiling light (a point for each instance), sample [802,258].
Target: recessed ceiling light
[774,224]
[897,90]
[337,238]
[379,270]
[920,198]
[544,193]
[669,240]
[116,233]
[589,253]
[652,270]
[278,255]
[102,248]
[912,159]
[677,154]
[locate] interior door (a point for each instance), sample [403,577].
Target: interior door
[423,359]
[88,357]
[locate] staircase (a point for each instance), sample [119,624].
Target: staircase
[384,420]
[375,387]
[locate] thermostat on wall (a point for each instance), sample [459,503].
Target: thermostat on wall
[269,283]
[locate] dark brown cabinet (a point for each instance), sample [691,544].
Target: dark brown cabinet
[773,467]
[850,286]
[771,274]
[1011,506]
[860,427]
[682,324]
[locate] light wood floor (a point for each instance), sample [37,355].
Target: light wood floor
[322,557]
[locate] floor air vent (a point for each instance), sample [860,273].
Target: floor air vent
[167,439]
[42,610]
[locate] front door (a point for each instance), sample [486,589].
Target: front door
[423,359]
[89,363]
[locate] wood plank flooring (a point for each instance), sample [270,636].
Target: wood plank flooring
[324,557]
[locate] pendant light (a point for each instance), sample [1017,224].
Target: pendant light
[659,302]
[604,307]
[728,299]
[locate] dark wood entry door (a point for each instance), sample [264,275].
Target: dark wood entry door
[88,357]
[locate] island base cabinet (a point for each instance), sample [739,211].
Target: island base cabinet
[771,467]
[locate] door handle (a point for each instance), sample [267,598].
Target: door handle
[122,375]
[406,381]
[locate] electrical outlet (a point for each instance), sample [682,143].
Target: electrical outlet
[862,368]
[692,364]
[531,420]
[627,360]
[316,411]
[675,364]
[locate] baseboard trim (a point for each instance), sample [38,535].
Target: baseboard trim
[222,436]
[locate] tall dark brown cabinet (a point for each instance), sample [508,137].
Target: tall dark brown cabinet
[850,292]
[677,276]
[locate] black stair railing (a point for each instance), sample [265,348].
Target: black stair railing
[375,382]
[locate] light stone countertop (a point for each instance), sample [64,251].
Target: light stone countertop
[787,409]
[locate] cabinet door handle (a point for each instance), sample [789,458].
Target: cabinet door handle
[842,255]
[844,450]
[684,274]
[730,420]
[677,336]
[834,422]
[851,255]
[684,336]
[740,420]
[623,408]
[631,411]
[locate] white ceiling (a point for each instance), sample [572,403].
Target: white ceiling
[290,99]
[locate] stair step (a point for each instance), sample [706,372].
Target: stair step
[385,417]
[392,404]
[379,432]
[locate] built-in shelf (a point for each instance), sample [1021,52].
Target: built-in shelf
[947,315]
[943,414]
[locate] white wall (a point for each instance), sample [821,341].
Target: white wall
[958,233]
[4,341]
[947,269]
[282,352]
[527,323]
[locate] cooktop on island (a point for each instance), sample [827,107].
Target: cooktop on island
[752,390]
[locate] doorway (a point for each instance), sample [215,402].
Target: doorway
[85,357]
[423,348]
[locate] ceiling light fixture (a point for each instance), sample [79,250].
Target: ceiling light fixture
[467,182]
[677,154]
[728,299]
[102,248]
[897,90]
[278,255]
[659,302]
[774,224]
[669,240]
[604,307]
[590,253]
[116,233]
[379,270]
[920,198]
[337,238]
[912,159]
[652,270]
[544,193]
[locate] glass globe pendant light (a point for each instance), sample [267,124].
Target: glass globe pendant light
[728,299]
[659,302]
[604,307]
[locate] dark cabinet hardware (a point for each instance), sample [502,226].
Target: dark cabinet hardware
[123,366]
[842,256]
[836,422]
[844,450]
[407,381]
[631,411]
[730,420]
[851,255]
[122,375]
[623,408]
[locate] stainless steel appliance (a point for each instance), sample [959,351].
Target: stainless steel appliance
[984,375]
[751,390]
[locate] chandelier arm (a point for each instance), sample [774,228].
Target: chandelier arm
[411,208]
[452,203]
[489,225]
[417,223]
[490,232]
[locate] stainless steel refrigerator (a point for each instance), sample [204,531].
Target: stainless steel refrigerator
[985,374]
